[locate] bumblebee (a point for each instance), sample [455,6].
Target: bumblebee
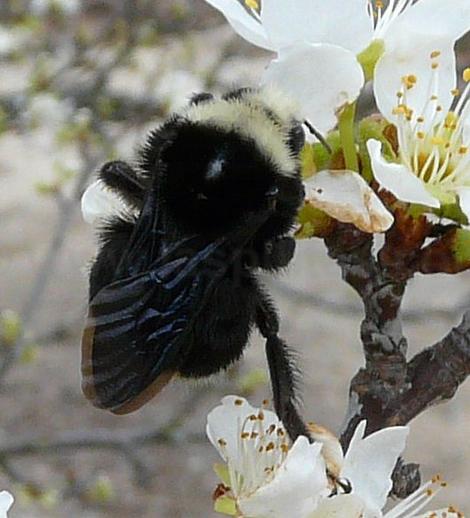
[174,288]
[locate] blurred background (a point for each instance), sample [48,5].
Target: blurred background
[82,82]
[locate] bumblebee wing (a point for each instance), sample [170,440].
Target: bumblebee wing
[137,326]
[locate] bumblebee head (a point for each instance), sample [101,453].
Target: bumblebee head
[213,178]
[222,159]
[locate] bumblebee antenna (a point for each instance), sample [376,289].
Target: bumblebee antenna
[319,136]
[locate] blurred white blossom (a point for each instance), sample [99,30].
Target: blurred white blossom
[46,109]
[176,86]
[68,7]
[6,501]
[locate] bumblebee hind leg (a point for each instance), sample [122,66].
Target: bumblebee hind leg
[122,178]
[283,372]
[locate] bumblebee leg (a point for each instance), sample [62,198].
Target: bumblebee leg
[272,254]
[121,177]
[282,371]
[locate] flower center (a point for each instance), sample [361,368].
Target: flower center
[432,142]
[411,506]
[261,451]
[382,16]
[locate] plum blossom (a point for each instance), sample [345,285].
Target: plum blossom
[368,466]
[267,475]
[6,501]
[99,203]
[319,44]
[432,167]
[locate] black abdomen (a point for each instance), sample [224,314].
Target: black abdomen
[221,331]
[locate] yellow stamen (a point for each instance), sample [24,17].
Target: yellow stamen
[379,4]
[466,75]
[451,119]
[435,54]
[434,65]
[409,81]
[245,435]
[252,4]
[421,135]
[455,92]
[238,402]
[463,150]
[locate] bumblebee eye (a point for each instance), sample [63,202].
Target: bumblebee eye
[272,192]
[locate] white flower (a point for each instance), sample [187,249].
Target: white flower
[368,466]
[346,196]
[99,203]
[433,162]
[268,477]
[6,501]
[68,7]
[368,463]
[318,42]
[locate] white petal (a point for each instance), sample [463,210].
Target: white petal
[321,78]
[341,506]
[450,18]
[464,200]
[225,422]
[346,24]
[347,197]
[98,202]
[409,54]
[369,463]
[397,179]
[295,490]
[244,24]
[332,451]
[438,513]
[6,501]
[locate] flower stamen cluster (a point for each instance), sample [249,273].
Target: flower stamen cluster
[432,143]
[384,16]
[262,450]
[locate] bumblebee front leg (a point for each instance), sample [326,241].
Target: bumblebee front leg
[272,254]
[122,178]
[282,370]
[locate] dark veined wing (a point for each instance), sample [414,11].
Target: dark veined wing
[137,326]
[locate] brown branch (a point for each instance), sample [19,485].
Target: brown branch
[435,374]
[378,389]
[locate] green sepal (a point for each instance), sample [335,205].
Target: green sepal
[369,57]
[102,490]
[221,470]
[29,354]
[461,246]
[313,222]
[10,327]
[225,505]
[315,157]
[251,381]
[372,128]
